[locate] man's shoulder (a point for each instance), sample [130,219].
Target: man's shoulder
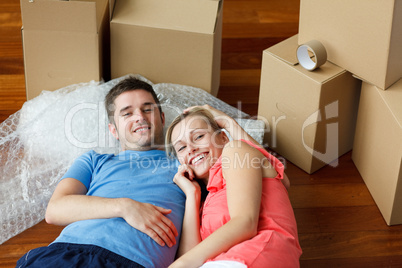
[93,153]
[94,156]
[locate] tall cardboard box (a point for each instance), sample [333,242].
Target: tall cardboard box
[64,42]
[310,116]
[175,41]
[377,149]
[364,37]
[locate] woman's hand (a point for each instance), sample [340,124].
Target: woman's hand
[226,122]
[184,178]
[190,236]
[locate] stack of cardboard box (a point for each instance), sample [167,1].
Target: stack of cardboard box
[363,40]
[68,42]
[311,115]
[64,43]
[172,41]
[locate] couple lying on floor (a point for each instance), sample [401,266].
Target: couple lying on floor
[132,209]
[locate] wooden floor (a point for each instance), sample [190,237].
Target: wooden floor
[339,223]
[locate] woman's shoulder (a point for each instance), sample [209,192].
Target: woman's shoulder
[243,152]
[240,147]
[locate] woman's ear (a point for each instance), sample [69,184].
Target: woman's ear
[225,137]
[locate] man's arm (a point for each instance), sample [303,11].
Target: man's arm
[69,203]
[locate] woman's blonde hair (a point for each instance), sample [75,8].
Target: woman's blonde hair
[196,111]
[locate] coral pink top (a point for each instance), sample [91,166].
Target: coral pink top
[276,243]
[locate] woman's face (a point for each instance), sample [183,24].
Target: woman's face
[197,144]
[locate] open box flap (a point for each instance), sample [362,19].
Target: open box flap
[101,7]
[286,51]
[75,16]
[184,15]
[393,98]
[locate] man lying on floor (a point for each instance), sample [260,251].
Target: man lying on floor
[120,210]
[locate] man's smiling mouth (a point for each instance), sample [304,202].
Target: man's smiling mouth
[141,129]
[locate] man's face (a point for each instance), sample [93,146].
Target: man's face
[138,122]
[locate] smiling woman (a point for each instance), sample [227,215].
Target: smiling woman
[247,217]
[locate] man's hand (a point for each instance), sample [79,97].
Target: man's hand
[151,220]
[69,203]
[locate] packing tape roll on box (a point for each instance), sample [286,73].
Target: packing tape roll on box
[317,49]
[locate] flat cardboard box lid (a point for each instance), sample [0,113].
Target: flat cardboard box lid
[183,15]
[286,51]
[69,16]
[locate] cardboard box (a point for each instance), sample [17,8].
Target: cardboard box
[364,37]
[310,116]
[377,149]
[64,42]
[175,41]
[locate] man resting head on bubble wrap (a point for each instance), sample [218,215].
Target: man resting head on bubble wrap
[119,210]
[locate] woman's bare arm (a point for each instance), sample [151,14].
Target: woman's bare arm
[244,186]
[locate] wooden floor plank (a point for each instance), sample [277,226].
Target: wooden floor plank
[341,195]
[261,11]
[250,60]
[252,30]
[239,78]
[249,45]
[351,244]
[364,262]
[341,219]
[12,92]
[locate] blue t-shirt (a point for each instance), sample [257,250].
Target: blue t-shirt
[145,176]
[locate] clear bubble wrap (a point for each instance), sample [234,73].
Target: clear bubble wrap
[39,142]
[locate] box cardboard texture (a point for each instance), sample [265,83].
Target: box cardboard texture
[64,43]
[377,149]
[310,116]
[175,41]
[364,37]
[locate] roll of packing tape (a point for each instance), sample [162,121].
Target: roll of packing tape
[320,55]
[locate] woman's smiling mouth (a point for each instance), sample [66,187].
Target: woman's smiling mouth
[196,159]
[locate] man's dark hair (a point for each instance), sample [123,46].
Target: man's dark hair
[128,84]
